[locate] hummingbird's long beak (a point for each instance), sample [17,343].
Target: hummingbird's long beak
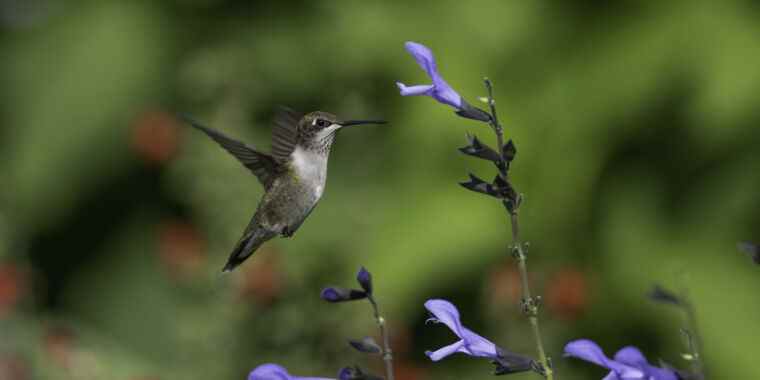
[360,122]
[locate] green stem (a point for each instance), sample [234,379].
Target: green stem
[693,339]
[530,305]
[387,353]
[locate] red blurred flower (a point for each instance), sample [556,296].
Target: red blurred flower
[12,287]
[567,293]
[263,277]
[155,136]
[181,249]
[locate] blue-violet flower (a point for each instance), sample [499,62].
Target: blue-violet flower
[275,372]
[629,362]
[469,343]
[439,90]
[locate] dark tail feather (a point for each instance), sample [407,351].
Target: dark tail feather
[247,245]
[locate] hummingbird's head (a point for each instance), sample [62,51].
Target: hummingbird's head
[320,127]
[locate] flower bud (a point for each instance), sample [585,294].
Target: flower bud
[335,294]
[365,280]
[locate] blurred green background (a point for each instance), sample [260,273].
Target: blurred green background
[636,126]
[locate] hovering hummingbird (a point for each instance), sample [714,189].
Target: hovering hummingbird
[293,175]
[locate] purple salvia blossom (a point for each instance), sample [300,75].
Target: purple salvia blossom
[470,343]
[439,90]
[275,372]
[629,362]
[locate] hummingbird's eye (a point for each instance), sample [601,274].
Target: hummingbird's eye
[322,123]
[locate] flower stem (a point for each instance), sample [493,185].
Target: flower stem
[387,353]
[693,339]
[530,305]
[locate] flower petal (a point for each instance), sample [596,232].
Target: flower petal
[271,371]
[423,89]
[423,56]
[476,345]
[445,312]
[656,373]
[589,351]
[633,357]
[445,351]
[445,94]
[440,90]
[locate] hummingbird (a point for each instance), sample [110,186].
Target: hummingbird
[293,174]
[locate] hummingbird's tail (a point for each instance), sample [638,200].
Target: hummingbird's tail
[248,244]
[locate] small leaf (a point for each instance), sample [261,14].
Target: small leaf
[662,295]
[480,150]
[366,345]
[483,99]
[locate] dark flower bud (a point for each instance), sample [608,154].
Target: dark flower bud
[366,345]
[365,280]
[470,112]
[507,362]
[335,294]
[752,250]
[356,373]
[662,295]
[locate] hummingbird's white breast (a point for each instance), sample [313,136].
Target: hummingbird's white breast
[310,168]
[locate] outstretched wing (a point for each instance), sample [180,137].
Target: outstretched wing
[285,133]
[261,164]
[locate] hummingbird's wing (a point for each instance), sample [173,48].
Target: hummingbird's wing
[284,134]
[261,164]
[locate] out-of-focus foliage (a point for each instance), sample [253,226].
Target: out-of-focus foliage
[636,128]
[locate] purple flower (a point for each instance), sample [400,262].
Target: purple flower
[469,343]
[439,90]
[629,362]
[473,344]
[276,372]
